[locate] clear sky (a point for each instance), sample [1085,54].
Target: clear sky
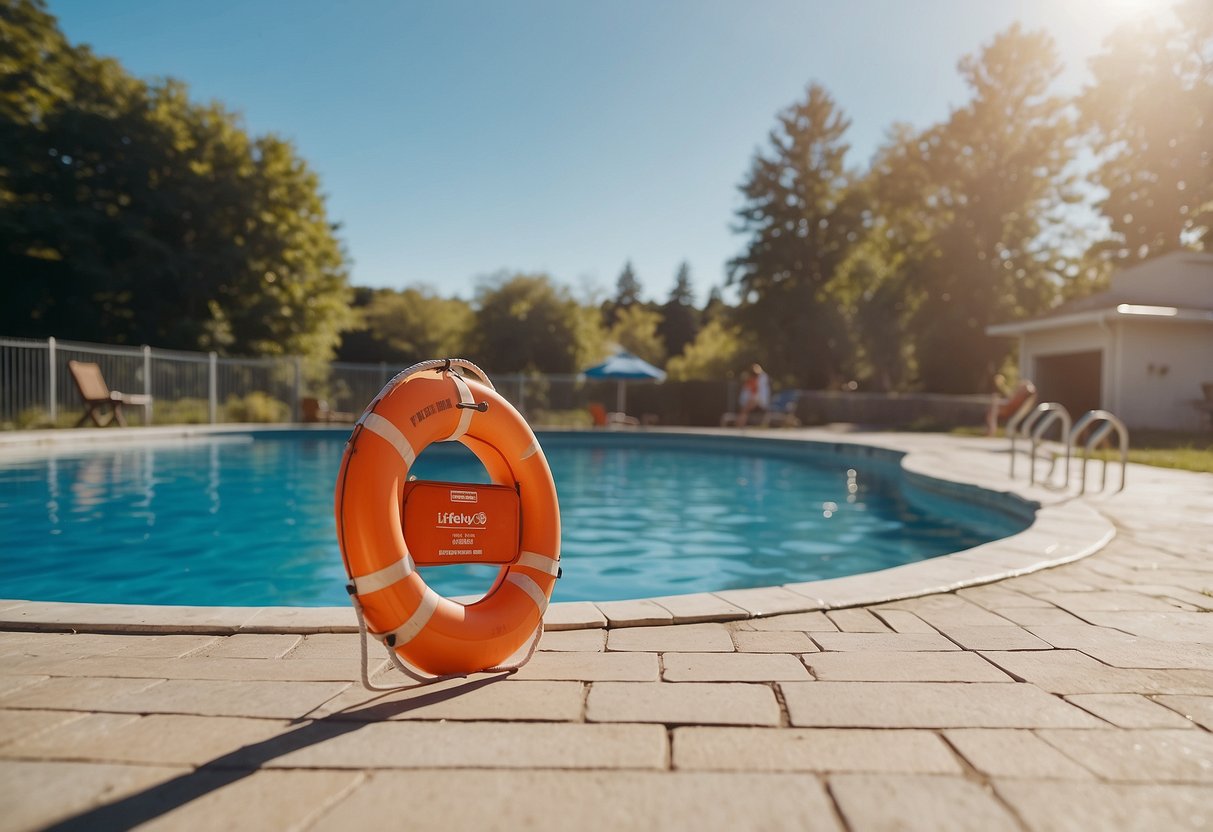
[457,139]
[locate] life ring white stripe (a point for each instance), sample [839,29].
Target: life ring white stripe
[409,630]
[465,413]
[530,588]
[531,450]
[380,426]
[385,577]
[544,563]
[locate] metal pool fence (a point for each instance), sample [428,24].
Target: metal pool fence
[36,390]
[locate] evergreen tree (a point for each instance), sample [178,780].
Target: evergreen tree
[627,294]
[679,319]
[627,288]
[802,223]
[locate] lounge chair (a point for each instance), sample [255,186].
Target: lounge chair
[97,396]
[603,419]
[783,410]
[317,410]
[781,413]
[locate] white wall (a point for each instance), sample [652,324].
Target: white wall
[1162,366]
[1135,386]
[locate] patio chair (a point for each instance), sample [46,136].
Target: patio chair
[783,410]
[97,395]
[604,419]
[317,410]
[782,413]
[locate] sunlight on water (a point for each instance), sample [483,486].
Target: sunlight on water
[221,522]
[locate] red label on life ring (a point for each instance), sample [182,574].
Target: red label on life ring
[459,522]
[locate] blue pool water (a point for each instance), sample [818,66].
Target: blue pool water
[237,520]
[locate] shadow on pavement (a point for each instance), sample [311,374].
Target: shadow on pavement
[222,771]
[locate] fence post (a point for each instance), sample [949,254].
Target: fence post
[52,394]
[298,388]
[147,384]
[213,386]
[382,373]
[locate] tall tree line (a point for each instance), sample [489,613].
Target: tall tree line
[890,275]
[131,214]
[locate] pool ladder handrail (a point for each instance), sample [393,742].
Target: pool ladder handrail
[1107,423]
[1042,419]
[1016,423]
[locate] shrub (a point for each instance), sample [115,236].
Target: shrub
[255,407]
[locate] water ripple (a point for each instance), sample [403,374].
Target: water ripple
[221,523]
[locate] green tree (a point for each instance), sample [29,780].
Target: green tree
[130,214]
[968,205]
[1150,114]
[635,330]
[719,351]
[679,318]
[526,323]
[802,223]
[406,326]
[870,290]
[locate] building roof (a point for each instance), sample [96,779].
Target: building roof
[1173,287]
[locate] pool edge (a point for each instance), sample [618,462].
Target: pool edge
[1066,528]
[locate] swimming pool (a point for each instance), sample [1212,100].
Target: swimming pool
[246,520]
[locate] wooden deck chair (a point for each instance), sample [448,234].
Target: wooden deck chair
[97,395]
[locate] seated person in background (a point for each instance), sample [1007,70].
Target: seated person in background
[755,393]
[1006,401]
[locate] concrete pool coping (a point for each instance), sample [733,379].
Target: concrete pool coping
[1065,528]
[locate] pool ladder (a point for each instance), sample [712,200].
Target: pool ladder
[1032,424]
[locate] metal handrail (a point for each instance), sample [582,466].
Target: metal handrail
[1107,423]
[1044,416]
[1016,423]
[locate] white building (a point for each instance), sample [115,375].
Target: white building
[1143,349]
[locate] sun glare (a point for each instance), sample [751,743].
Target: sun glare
[1126,9]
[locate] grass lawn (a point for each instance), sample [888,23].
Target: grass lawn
[1190,451]
[1170,449]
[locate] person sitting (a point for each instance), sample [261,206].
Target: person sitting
[755,394]
[1006,401]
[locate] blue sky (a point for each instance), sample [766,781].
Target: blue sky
[456,139]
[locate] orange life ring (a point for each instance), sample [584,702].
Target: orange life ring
[429,403]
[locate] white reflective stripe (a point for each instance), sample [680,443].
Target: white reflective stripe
[410,629]
[380,426]
[465,413]
[530,588]
[531,450]
[543,563]
[385,577]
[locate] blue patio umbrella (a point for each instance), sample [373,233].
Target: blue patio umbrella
[624,367]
